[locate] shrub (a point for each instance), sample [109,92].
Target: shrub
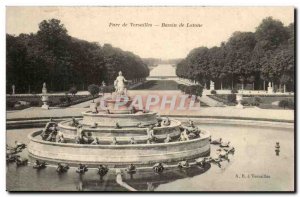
[181,87]
[283,103]
[93,90]
[73,90]
[68,99]
[234,91]
[10,104]
[255,103]
[291,104]
[50,103]
[34,103]
[194,90]
[62,99]
[199,90]
[213,92]
[245,103]
[231,98]
[187,90]
[287,103]
[257,99]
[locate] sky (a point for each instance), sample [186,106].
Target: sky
[213,25]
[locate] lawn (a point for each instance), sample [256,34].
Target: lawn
[265,101]
[35,101]
[158,85]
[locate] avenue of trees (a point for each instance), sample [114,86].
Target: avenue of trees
[54,57]
[260,57]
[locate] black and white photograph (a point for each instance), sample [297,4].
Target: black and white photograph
[150,98]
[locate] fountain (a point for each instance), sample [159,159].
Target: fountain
[121,137]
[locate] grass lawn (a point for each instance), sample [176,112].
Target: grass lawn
[222,98]
[266,101]
[35,101]
[158,85]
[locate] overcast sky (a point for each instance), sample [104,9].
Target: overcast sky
[92,24]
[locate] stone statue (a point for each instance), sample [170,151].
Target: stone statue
[212,85]
[44,90]
[270,88]
[120,84]
[13,89]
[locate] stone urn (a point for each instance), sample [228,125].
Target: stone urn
[45,97]
[45,100]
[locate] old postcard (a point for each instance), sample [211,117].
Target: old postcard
[150,99]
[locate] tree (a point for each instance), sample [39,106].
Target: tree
[264,55]
[54,57]
[251,79]
[93,90]
[221,77]
[271,33]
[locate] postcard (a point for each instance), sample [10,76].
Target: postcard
[150,99]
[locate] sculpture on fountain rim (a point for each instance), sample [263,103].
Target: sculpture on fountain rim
[120,85]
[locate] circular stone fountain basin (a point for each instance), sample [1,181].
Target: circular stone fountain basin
[118,154]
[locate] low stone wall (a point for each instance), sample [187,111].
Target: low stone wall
[118,154]
[123,120]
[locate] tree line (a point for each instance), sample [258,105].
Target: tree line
[62,61]
[260,57]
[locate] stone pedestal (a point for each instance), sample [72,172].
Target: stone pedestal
[45,100]
[45,106]
[45,97]
[239,99]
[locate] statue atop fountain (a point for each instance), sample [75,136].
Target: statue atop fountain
[120,85]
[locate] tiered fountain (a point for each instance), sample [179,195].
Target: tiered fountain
[124,136]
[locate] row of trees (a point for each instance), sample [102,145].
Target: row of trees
[266,55]
[54,57]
